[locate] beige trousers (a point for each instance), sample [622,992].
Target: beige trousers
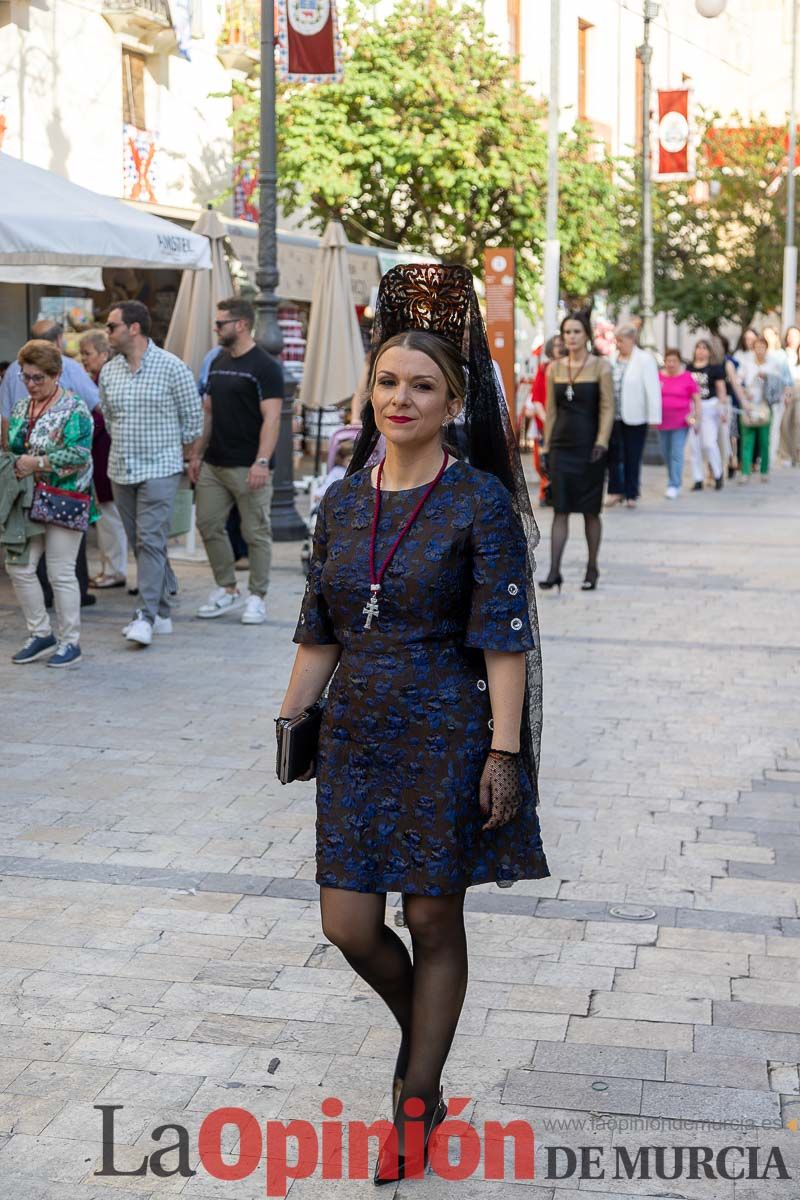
[217,490]
[61,547]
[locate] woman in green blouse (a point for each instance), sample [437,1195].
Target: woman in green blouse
[50,435]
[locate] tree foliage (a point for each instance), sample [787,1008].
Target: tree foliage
[718,239]
[432,143]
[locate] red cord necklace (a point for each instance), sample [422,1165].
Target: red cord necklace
[376,578]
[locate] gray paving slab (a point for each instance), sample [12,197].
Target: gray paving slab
[698,1103]
[546,1089]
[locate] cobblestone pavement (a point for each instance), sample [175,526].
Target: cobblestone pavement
[161,947]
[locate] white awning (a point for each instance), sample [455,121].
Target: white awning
[47,221]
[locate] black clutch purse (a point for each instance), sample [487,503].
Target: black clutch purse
[298,742]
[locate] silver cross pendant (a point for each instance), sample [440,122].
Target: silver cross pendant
[371,609]
[570,392]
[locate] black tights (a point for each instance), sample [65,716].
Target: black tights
[560,533]
[425,996]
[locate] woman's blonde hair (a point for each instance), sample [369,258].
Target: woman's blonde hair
[44,355]
[444,354]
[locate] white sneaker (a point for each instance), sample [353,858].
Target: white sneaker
[160,625]
[220,602]
[140,631]
[255,612]
[671,493]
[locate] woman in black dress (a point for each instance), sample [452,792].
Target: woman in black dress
[580,417]
[420,599]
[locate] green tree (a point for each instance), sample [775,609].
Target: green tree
[718,239]
[432,142]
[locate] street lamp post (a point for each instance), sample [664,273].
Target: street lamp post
[286,523]
[552,248]
[789,302]
[648,297]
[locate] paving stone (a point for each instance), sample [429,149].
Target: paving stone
[146,1088]
[778,1017]
[750,1043]
[696,1103]
[692,962]
[633,1007]
[718,1070]
[570,975]
[544,1089]
[537,1026]
[549,999]
[706,939]
[606,1031]
[620,933]
[662,983]
[572,1058]
[69,1081]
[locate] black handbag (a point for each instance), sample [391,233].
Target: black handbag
[298,742]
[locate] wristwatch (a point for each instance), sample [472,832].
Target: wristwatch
[261,462]
[40,464]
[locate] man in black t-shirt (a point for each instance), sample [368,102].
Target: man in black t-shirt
[241,420]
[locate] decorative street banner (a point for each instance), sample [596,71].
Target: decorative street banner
[139,174]
[499,274]
[674,147]
[310,46]
[245,193]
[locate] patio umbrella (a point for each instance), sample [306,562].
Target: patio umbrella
[46,221]
[191,330]
[334,352]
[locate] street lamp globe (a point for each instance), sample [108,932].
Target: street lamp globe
[710,8]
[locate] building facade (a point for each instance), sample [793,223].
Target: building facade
[739,62]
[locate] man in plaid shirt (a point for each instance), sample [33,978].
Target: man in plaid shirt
[153,412]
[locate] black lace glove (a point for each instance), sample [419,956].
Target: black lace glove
[500,790]
[598,452]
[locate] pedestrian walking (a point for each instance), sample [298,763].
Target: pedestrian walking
[580,417]
[50,437]
[154,417]
[789,446]
[554,349]
[74,379]
[729,430]
[442,551]
[112,543]
[637,405]
[780,360]
[231,464]
[763,394]
[709,375]
[680,412]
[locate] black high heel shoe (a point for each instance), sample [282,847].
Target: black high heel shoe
[590,582]
[407,1165]
[551,582]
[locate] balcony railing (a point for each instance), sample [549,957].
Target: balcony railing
[143,19]
[239,44]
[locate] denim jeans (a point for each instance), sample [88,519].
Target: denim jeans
[673,444]
[625,459]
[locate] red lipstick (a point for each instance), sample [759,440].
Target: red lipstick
[401,420]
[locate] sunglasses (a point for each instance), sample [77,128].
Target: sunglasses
[230,321]
[31,379]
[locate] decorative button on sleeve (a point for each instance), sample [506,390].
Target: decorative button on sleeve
[516,624]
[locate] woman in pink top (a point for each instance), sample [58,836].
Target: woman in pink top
[680,410]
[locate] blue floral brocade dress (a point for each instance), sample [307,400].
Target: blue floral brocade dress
[406,729]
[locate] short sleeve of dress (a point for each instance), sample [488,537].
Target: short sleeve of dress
[498,617]
[315,627]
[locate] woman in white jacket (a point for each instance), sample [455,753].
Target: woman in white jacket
[637,399]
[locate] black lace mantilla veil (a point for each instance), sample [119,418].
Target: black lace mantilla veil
[442,300]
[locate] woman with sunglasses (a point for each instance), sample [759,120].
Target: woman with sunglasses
[50,435]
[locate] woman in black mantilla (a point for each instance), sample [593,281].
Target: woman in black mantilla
[578,424]
[420,599]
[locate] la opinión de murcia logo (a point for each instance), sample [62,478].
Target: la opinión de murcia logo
[292,1150]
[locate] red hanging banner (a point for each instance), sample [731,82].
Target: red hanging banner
[674,147]
[310,46]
